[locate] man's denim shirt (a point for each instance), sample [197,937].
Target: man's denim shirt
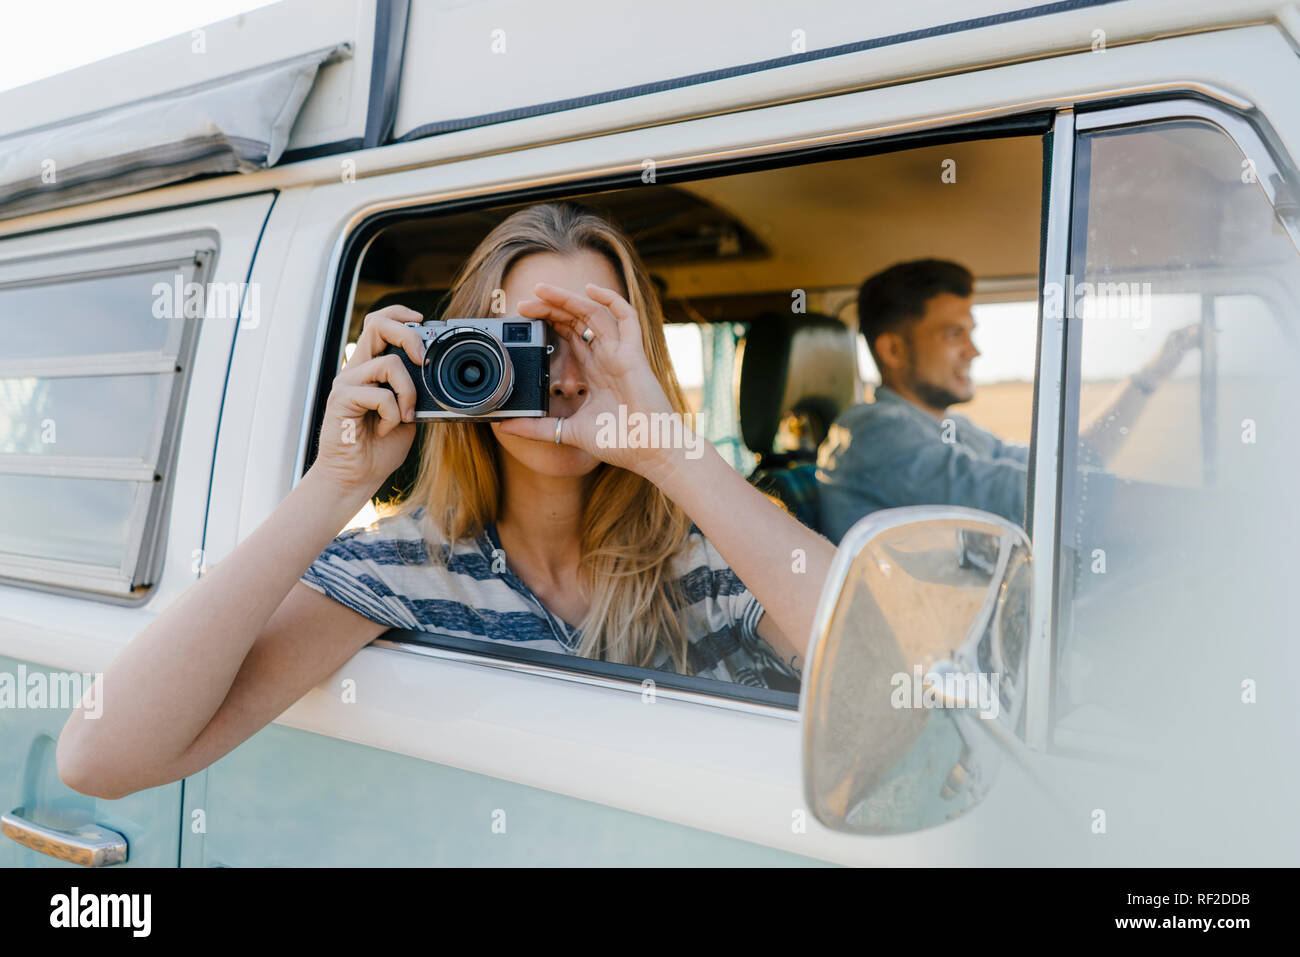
[889,452]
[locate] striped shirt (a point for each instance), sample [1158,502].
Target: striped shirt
[386,573]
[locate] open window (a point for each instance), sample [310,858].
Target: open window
[759,264]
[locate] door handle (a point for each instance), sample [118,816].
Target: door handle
[90,845]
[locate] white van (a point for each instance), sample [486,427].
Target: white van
[191,233]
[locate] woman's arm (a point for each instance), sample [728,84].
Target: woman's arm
[246,641]
[170,682]
[782,561]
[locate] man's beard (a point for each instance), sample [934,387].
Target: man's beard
[936,397]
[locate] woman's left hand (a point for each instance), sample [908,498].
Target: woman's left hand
[615,369]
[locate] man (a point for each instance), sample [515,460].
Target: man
[906,448]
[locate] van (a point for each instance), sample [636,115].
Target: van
[192,232]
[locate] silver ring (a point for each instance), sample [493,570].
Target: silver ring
[588,335]
[559,424]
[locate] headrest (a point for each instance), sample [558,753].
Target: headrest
[795,363]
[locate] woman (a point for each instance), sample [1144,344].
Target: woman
[536,530]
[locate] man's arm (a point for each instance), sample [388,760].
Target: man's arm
[1107,430]
[1009,450]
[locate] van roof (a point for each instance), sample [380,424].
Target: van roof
[342,75]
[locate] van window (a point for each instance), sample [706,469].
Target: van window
[1171,551]
[686,347]
[704,358]
[96,353]
[1006,334]
[758,270]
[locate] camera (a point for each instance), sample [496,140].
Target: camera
[481,368]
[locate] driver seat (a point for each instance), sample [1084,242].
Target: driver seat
[798,373]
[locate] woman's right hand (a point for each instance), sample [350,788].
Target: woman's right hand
[368,429]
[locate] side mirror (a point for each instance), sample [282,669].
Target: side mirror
[916,669]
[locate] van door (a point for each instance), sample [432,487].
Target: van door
[291,797]
[1178,513]
[422,754]
[116,345]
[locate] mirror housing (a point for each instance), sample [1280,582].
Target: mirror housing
[916,668]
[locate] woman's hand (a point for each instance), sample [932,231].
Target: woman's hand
[617,373]
[368,427]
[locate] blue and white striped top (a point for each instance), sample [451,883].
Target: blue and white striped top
[385,573]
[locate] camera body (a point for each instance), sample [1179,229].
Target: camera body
[478,369]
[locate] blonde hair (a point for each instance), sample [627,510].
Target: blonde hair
[630,531]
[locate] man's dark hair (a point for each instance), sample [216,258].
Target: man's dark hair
[891,299]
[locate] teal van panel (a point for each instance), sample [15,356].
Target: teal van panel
[293,798]
[29,778]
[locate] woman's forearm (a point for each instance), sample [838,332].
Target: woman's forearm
[782,561]
[163,688]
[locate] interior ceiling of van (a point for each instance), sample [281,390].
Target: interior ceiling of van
[756,235]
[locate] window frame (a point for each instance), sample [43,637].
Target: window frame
[1250,133]
[193,254]
[357,235]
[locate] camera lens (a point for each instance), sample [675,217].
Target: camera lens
[468,372]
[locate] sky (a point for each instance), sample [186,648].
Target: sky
[38,40]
